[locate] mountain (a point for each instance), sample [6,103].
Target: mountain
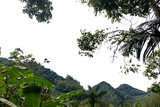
[62,85]
[124,94]
[129,90]
[129,93]
[112,97]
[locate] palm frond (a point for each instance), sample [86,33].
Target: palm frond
[139,46]
[148,24]
[147,32]
[153,42]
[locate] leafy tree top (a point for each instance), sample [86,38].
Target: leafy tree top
[116,9]
[41,9]
[141,42]
[126,41]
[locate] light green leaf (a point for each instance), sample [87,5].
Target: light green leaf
[15,72]
[38,81]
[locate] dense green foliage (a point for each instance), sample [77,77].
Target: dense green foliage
[154,101]
[41,9]
[66,86]
[19,87]
[128,41]
[94,97]
[112,97]
[65,91]
[17,81]
[116,9]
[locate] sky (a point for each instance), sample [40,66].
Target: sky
[57,41]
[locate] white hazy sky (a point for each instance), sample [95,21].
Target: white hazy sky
[57,42]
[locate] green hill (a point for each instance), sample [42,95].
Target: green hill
[124,94]
[112,97]
[130,94]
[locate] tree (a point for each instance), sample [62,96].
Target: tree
[128,42]
[41,9]
[154,101]
[94,96]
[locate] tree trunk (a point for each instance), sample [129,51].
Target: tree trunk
[156,8]
[92,105]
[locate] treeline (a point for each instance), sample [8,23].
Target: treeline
[23,80]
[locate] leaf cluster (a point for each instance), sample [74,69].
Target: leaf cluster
[116,9]
[89,42]
[41,9]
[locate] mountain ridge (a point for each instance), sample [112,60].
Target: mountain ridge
[124,93]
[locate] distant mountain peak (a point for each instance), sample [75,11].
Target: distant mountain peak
[104,84]
[125,86]
[129,90]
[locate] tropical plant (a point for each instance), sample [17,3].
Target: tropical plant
[17,83]
[94,96]
[19,86]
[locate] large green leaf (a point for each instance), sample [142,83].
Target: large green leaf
[38,81]
[15,72]
[32,95]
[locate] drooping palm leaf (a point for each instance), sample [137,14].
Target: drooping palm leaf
[146,32]
[150,33]
[153,42]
